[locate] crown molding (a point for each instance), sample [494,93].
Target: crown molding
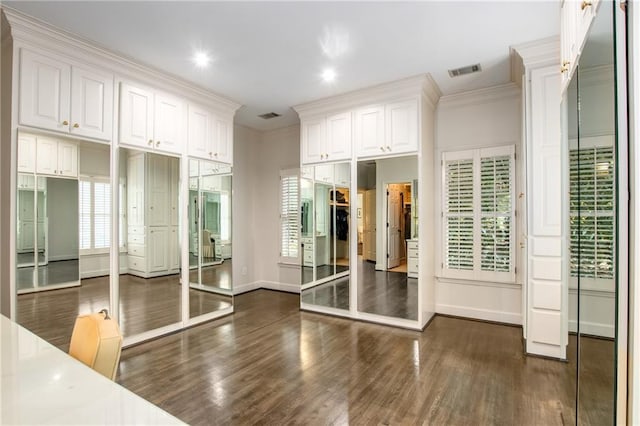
[39,34]
[421,85]
[538,53]
[481,96]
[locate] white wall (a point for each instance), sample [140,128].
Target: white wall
[278,149]
[94,159]
[62,198]
[478,119]
[245,145]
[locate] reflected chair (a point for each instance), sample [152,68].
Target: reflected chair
[97,342]
[207,245]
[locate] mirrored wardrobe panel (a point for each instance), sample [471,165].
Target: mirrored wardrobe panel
[593,292]
[63,233]
[210,263]
[149,282]
[388,237]
[325,206]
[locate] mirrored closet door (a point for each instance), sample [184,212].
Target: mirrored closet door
[210,263]
[325,208]
[149,282]
[387,218]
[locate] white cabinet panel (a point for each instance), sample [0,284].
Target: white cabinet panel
[401,125]
[158,190]
[44,92]
[223,141]
[67,159]
[338,137]
[136,116]
[26,153]
[174,247]
[158,249]
[369,133]
[46,156]
[199,139]
[167,128]
[91,104]
[313,140]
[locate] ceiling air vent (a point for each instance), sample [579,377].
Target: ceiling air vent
[465,70]
[269,115]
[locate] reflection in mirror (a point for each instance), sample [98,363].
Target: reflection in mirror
[209,237]
[150,283]
[63,220]
[593,212]
[325,194]
[307,214]
[387,237]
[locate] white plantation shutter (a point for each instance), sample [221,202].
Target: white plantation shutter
[478,214]
[592,225]
[84,201]
[289,215]
[95,213]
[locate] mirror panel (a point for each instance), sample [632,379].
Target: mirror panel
[210,222]
[150,292]
[387,237]
[325,192]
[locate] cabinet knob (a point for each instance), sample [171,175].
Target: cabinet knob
[326,156]
[157,143]
[150,143]
[215,155]
[586,4]
[211,154]
[76,125]
[65,123]
[382,148]
[55,172]
[565,66]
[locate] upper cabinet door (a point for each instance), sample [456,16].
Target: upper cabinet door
[339,137]
[67,159]
[91,104]
[167,133]
[369,134]
[313,141]
[26,153]
[223,141]
[136,116]
[401,127]
[44,92]
[199,140]
[46,156]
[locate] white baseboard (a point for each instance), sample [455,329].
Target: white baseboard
[100,273]
[268,285]
[243,288]
[481,314]
[593,328]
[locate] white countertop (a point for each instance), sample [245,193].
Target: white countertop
[39,384]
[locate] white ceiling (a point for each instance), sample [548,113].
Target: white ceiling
[269,55]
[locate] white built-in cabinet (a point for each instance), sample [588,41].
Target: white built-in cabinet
[152,211]
[65,97]
[209,135]
[327,138]
[372,131]
[47,155]
[151,119]
[575,20]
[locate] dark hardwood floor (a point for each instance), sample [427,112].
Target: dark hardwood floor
[270,363]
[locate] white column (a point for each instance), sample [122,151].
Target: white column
[546,280]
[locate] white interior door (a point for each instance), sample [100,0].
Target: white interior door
[369,227]
[394,231]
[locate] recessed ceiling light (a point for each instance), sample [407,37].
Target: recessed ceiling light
[329,75]
[201,59]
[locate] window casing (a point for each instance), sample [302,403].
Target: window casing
[478,214]
[289,216]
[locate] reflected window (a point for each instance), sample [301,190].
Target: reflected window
[289,217]
[591,212]
[95,213]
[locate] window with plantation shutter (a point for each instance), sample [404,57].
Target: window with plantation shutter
[591,216]
[95,213]
[478,214]
[289,216]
